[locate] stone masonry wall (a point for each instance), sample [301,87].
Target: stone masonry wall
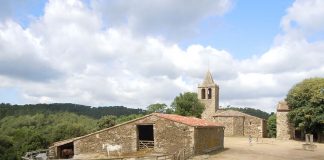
[172,136]
[242,126]
[238,127]
[284,129]
[227,122]
[253,126]
[208,139]
[168,136]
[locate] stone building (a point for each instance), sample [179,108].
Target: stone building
[240,124]
[162,133]
[236,123]
[285,130]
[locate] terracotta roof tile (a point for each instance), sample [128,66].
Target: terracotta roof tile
[191,121]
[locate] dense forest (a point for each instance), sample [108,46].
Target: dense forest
[94,112]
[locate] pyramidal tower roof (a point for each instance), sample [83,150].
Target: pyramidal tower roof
[208,78]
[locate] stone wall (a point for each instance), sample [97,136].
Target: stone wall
[284,129]
[242,125]
[169,137]
[208,139]
[254,126]
[238,126]
[227,122]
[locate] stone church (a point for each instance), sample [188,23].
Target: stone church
[236,123]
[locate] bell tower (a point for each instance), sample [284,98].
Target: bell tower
[208,94]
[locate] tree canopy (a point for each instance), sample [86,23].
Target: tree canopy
[272,126]
[187,104]
[157,107]
[7,109]
[106,121]
[306,101]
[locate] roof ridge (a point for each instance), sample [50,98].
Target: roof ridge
[191,121]
[232,110]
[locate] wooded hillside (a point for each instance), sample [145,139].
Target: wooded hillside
[94,112]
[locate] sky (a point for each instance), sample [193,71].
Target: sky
[136,53]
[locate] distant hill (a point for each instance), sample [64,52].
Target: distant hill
[250,111]
[94,112]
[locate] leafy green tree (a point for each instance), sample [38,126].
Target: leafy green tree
[122,119]
[306,101]
[37,141]
[187,104]
[106,121]
[20,134]
[6,148]
[272,126]
[157,107]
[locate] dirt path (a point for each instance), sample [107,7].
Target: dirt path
[238,148]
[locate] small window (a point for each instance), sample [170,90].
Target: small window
[250,123]
[209,93]
[203,93]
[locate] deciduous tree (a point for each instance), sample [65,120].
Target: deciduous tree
[187,104]
[271,126]
[306,101]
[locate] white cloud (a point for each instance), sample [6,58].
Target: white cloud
[306,15]
[167,18]
[76,59]
[21,54]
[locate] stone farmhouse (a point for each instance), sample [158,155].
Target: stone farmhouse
[161,133]
[236,123]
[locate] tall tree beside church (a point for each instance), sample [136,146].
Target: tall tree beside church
[187,104]
[306,101]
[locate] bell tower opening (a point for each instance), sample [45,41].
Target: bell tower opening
[203,94]
[209,93]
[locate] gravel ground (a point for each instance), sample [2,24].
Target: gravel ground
[239,148]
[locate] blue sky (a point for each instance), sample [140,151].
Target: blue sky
[247,29]
[98,52]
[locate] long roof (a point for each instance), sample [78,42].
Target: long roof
[191,121]
[231,113]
